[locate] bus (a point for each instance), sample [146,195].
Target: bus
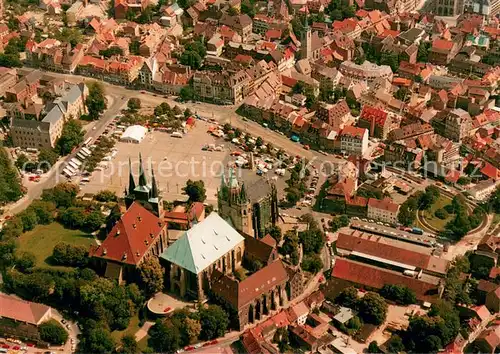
[87,142]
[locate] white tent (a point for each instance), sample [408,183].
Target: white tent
[134,134]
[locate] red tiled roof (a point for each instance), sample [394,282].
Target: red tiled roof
[131,237]
[442,44]
[375,277]
[452,176]
[353,132]
[372,246]
[384,204]
[22,311]
[370,113]
[490,171]
[357,201]
[239,294]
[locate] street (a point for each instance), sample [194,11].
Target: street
[53,176]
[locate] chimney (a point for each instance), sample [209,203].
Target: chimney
[134,226]
[124,256]
[139,218]
[151,235]
[104,251]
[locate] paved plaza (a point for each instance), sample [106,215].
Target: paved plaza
[174,161]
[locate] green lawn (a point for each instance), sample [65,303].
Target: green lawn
[132,328]
[43,238]
[432,219]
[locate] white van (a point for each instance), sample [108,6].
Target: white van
[85,179]
[176,135]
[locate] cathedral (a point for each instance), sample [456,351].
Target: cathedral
[147,194]
[250,208]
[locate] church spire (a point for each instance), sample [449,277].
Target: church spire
[142,175]
[243,193]
[131,182]
[154,187]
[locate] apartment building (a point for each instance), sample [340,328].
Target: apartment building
[376,121]
[44,133]
[241,24]
[224,87]
[454,125]
[384,210]
[353,140]
[484,189]
[367,71]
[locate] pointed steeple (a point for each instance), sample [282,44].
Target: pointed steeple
[222,180]
[233,182]
[154,187]
[131,182]
[142,175]
[243,193]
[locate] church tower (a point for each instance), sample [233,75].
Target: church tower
[234,204]
[306,42]
[146,194]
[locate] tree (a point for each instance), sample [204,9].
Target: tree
[195,190]
[96,100]
[275,232]
[10,61]
[291,246]
[106,196]
[53,333]
[193,329]
[192,59]
[401,294]
[66,254]
[10,183]
[47,158]
[73,217]
[29,219]
[214,321]
[373,308]
[162,108]
[373,348]
[97,340]
[134,47]
[22,162]
[187,93]
[395,344]
[391,59]
[111,51]
[94,221]
[312,263]
[152,275]
[129,345]
[25,261]
[62,195]
[293,196]
[134,104]
[348,297]
[464,180]
[423,52]
[312,240]
[163,337]
[71,136]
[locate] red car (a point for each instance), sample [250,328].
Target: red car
[189,348]
[214,342]
[206,344]
[16,347]
[31,345]
[5,346]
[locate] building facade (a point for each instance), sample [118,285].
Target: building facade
[384,210]
[44,133]
[353,140]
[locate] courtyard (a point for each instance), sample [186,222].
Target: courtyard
[43,238]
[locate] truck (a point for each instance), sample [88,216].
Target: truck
[417,231]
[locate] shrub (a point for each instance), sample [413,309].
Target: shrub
[441,214]
[52,332]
